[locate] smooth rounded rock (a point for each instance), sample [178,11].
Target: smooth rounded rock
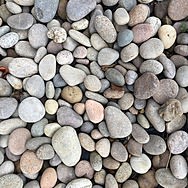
[51,128]
[51,106]
[86,142]
[125,37]
[126,101]
[11,181]
[130,184]
[58,34]
[79,183]
[9,40]
[96,161]
[92,83]
[45,152]
[5,89]
[121,16]
[110,181]
[103,147]
[24,2]
[64,57]
[181,76]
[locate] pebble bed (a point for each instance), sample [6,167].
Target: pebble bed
[93,93]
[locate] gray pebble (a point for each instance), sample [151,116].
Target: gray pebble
[6,168]
[1,157]
[58,81]
[96,97]
[13,7]
[11,181]
[40,53]
[4,29]
[110,181]
[32,184]
[87,127]
[126,101]
[181,50]
[5,89]
[96,70]
[9,40]
[50,90]
[37,128]
[182,76]
[125,37]
[55,161]
[36,142]
[128,4]
[131,77]
[45,152]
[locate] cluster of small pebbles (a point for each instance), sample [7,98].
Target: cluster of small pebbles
[93,93]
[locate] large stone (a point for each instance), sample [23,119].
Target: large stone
[11,181]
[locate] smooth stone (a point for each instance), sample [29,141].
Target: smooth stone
[29,163]
[23,48]
[103,129]
[48,178]
[123,172]
[94,110]
[130,77]
[47,67]
[67,116]
[130,184]
[11,181]
[1,157]
[24,2]
[21,21]
[145,1]
[58,34]
[16,83]
[70,44]
[126,101]
[182,38]
[32,184]
[125,37]
[152,114]
[51,106]
[165,178]
[107,56]
[181,76]
[146,86]
[13,7]
[17,140]
[118,151]
[110,181]
[118,124]
[167,34]
[40,53]
[177,11]
[35,86]
[178,166]
[50,90]
[97,42]
[7,126]
[139,104]
[45,11]
[80,183]
[134,148]
[84,7]
[22,67]
[155,22]
[8,107]
[58,81]
[177,142]
[155,146]
[92,83]
[109,2]
[129,52]
[127,4]
[151,66]
[66,144]
[36,142]
[4,12]
[80,25]
[105,29]
[11,156]
[4,29]
[31,110]
[181,50]
[80,52]
[151,49]
[37,36]
[7,168]
[110,163]
[45,152]
[140,134]
[86,142]
[96,161]
[140,164]
[37,128]
[121,16]
[99,177]
[66,71]
[51,128]
[103,147]
[142,32]
[64,57]
[167,89]
[115,77]
[9,40]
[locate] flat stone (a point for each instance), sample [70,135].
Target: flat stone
[134,148]
[105,29]
[181,76]
[67,116]
[31,110]
[121,16]
[181,50]
[66,71]
[9,40]
[45,11]
[126,101]
[47,67]
[64,57]
[40,53]
[111,163]
[125,37]
[51,128]
[96,161]
[13,7]
[110,181]
[45,152]
[97,42]
[66,144]
[11,181]
[8,107]
[22,67]
[86,142]
[24,2]
[92,83]
[118,124]
[146,86]
[79,183]
[36,142]
[6,168]
[103,147]
[21,21]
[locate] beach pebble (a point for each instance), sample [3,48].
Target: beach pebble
[45,152]
[66,144]
[130,184]
[110,181]
[97,42]
[92,83]
[125,37]
[126,101]
[181,76]
[79,183]
[64,57]
[5,89]
[51,106]
[86,142]
[130,77]
[121,16]
[24,2]
[7,168]
[58,34]
[9,40]
[103,147]
[11,181]
[13,7]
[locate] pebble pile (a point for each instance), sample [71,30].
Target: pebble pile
[93,93]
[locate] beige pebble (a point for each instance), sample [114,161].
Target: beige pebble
[79,108]
[103,147]
[111,163]
[51,106]
[86,142]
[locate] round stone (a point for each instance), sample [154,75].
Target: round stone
[13,7]
[97,42]
[17,140]
[140,164]
[31,110]
[103,147]
[45,152]
[51,128]
[128,4]
[86,142]
[110,181]
[110,163]
[58,34]
[124,37]
[92,83]
[9,40]
[79,182]
[130,184]
[11,181]
[126,101]
[181,76]
[29,163]
[66,144]
[64,57]
[121,16]
[51,106]
[5,89]
[146,86]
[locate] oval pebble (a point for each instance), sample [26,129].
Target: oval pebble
[5,89]
[45,152]
[51,128]
[126,101]
[181,76]
[13,7]
[79,183]
[110,181]
[121,16]
[36,142]
[9,40]
[51,106]
[11,181]
[124,37]
[92,83]
[103,147]
[64,57]
[86,142]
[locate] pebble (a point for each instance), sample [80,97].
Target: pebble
[181,50]
[126,101]
[51,128]
[8,107]
[37,128]
[105,29]
[11,181]
[109,2]
[165,178]
[17,140]
[36,142]
[146,86]
[64,57]
[9,40]
[140,164]
[118,124]
[92,54]
[31,110]
[1,157]
[7,126]
[24,2]
[95,111]
[70,44]
[182,38]
[103,147]
[99,177]
[86,142]
[51,106]
[6,168]
[181,76]
[32,184]
[80,25]
[40,53]
[84,7]
[92,83]
[128,4]
[45,12]
[151,66]
[129,52]
[13,7]
[37,36]
[111,164]
[4,29]
[155,146]
[155,22]
[96,161]
[107,56]
[130,77]
[80,183]
[97,42]
[125,37]
[110,181]
[35,86]
[123,172]
[177,142]
[121,16]
[79,108]
[22,67]
[29,163]
[45,152]
[177,11]
[66,144]
[130,184]
[167,34]
[67,70]
[67,116]
[21,21]
[80,52]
